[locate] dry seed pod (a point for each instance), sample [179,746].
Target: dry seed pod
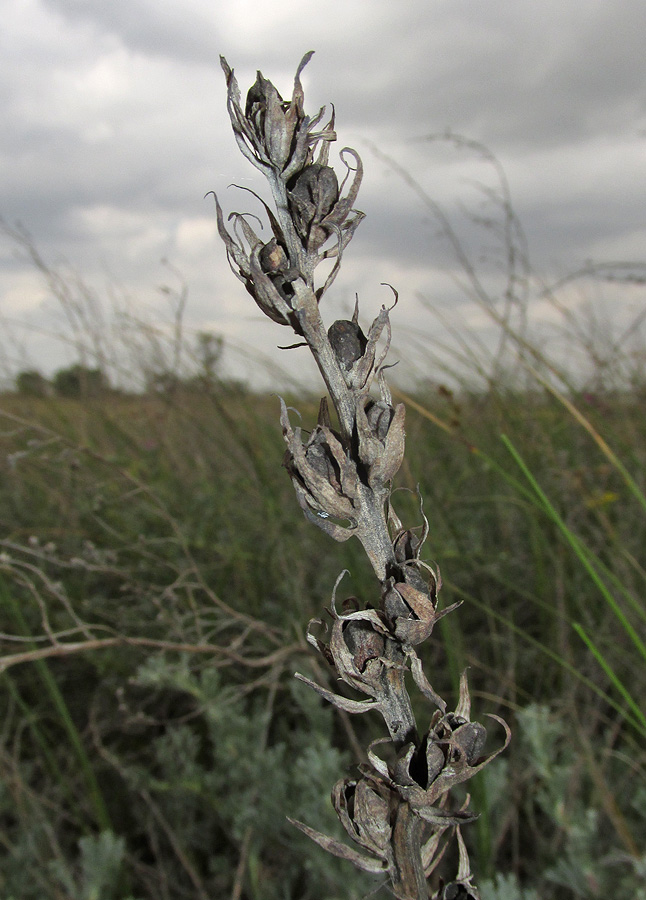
[363,807]
[312,197]
[411,608]
[324,477]
[273,258]
[348,342]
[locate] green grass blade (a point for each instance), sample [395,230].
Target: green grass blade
[578,547]
[551,654]
[607,668]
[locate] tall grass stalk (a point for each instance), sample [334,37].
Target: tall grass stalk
[612,675]
[584,557]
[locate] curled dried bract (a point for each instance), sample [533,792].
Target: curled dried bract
[462,888]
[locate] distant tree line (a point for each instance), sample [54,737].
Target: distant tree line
[82,382]
[74,381]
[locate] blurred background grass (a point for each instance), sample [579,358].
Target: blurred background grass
[162,761]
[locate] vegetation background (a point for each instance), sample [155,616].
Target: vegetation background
[157,577]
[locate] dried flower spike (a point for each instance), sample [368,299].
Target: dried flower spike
[397,812]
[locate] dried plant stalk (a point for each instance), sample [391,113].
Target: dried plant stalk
[397,812]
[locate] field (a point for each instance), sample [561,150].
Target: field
[156,581]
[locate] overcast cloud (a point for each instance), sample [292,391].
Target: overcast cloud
[114,128]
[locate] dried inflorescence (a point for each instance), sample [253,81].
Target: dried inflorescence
[398,811]
[284,143]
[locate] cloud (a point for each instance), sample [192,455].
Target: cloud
[114,128]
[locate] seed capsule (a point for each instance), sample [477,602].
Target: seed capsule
[348,342]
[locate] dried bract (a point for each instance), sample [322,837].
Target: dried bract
[462,888]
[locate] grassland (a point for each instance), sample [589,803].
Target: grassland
[156,579]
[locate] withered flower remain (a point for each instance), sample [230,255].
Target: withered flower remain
[357,651]
[422,775]
[364,808]
[323,475]
[450,753]
[292,151]
[270,132]
[411,603]
[318,210]
[366,653]
[263,268]
[356,353]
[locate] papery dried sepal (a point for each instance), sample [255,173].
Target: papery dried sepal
[463,709]
[462,888]
[422,681]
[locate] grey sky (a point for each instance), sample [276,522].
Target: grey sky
[114,128]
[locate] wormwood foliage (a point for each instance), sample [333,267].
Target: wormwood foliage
[398,810]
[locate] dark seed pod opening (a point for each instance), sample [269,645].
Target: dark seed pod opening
[348,342]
